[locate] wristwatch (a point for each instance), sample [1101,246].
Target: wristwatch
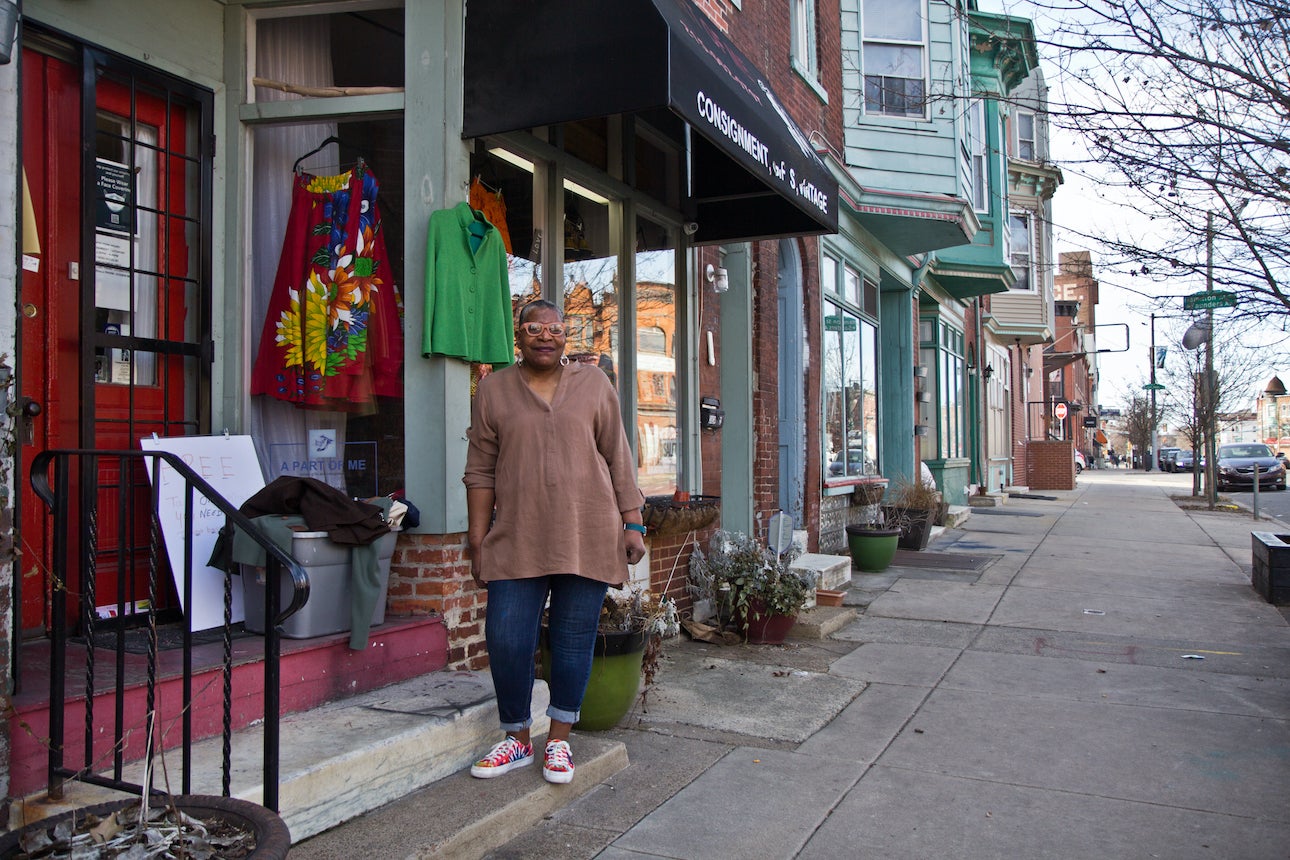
[636,527]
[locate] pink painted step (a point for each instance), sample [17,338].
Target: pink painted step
[313,672]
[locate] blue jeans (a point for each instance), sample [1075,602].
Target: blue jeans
[511,628]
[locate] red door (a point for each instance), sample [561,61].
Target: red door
[115,313]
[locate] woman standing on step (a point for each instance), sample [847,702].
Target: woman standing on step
[554,513]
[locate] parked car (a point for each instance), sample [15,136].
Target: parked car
[1080,463]
[1237,464]
[855,464]
[1164,456]
[1184,461]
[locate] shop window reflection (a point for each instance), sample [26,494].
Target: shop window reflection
[656,330]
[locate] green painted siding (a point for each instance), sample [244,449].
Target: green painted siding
[906,154]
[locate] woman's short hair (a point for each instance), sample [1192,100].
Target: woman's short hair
[535,306]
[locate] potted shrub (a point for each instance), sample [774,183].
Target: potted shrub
[753,588]
[913,507]
[628,644]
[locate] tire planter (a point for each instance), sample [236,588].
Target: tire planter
[766,628]
[272,838]
[872,549]
[615,678]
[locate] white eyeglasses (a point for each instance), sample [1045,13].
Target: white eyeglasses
[534,329]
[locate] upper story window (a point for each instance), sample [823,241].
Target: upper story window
[976,155]
[651,339]
[1022,260]
[803,41]
[894,57]
[1025,144]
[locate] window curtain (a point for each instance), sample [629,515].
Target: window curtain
[295,50]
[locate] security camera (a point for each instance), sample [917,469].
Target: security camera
[691,227]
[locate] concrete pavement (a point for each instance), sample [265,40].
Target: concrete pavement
[1088,674]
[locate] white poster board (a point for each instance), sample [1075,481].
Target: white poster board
[230,466]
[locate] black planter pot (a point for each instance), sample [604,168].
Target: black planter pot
[915,525]
[272,838]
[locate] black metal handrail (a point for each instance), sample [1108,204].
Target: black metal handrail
[58,497]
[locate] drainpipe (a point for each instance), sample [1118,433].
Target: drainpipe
[979,399]
[916,282]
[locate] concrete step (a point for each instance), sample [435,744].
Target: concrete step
[956,515]
[313,671]
[345,759]
[832,571]
[987,500]
[821,622]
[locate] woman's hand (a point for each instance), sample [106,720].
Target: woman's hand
[635,546]
[474,549]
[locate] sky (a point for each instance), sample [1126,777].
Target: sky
[1125,302]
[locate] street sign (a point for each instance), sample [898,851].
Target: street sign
[838,322]
[1090,420]
[1208,300]
[1153,386]
[1060,411]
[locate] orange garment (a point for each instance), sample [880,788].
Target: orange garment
[494,208]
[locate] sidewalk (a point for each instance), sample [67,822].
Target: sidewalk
[1030,689]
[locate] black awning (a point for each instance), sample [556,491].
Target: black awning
[753,173]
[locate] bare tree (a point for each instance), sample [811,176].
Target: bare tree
[1184,107]
[1139,421]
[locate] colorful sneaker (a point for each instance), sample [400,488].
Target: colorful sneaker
[557,762]
[503,758]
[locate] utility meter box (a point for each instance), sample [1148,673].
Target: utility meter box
[327,565]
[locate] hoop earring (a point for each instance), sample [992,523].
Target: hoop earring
[564,361]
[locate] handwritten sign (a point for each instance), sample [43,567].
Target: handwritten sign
[229,465]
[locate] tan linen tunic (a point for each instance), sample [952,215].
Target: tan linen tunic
[561,472]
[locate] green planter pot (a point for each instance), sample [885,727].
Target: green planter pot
[872,549]
[615,678]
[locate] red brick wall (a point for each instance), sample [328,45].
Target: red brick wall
[1051,465]
[430,575]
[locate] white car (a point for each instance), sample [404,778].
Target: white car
[1080,463]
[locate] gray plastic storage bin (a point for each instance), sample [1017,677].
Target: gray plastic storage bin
[327,565]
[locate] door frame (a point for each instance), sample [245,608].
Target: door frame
[192,345]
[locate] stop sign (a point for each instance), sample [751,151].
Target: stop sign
[1060,411]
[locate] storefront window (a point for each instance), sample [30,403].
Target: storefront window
[361,48]
[850,361]
[656,332]
[325,293]
[591,281]
[501,186]
[594,285]
[943,412]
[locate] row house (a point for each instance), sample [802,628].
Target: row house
[807,242]
[1072,357]
[226,218]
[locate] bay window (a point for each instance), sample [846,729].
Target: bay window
[894,57]
[850,372]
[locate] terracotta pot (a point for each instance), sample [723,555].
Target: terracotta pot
[272,839]
[828,597]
